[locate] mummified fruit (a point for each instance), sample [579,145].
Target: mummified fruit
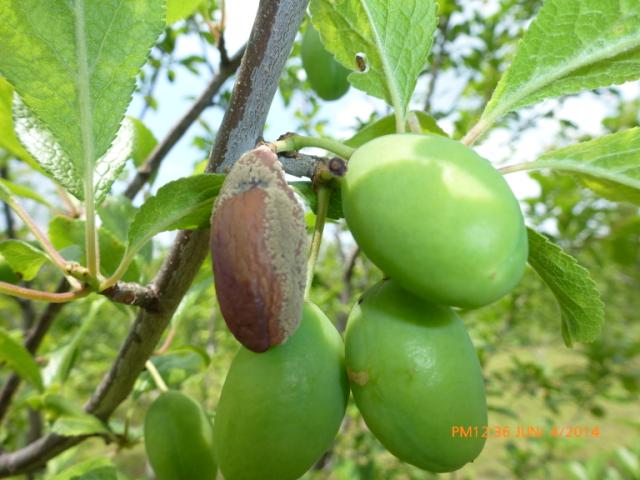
[178,438]
[415,377]
[258,246]
[279,411]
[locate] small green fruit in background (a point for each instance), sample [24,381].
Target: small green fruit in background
[280,410]
[415,375]
[178,438]
[327,77]
[435,217]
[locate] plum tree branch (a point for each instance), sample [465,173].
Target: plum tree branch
[274,30]
[129,293]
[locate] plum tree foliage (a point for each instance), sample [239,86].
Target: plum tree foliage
[109,332]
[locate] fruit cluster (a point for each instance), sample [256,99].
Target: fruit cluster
[444,227]
[443,224]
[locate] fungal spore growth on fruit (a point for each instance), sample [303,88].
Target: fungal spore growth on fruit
[259,244]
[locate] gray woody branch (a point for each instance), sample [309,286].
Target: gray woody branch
[271,39]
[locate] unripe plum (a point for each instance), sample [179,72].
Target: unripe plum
[280,410]
[436,217]
[178,438]
[327,77]
[415,376]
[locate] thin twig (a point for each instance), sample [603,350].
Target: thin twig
[300,164]
[31,343]
[323,193]
[135,294]
[222,48]
[152,164]
[8,216]
[55,256]
[437,61]
[167,342]
[42,296]
[25,305]
[347,289]
[72,210]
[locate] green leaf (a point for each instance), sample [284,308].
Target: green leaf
[386,126]
[49,153]
[143,141]
[305,189]
[394,37]
[80,424]
[116,214]
[24,192]
[175,367]
[581,308]
[71,419]
[628,462]
[62,360]
[99,468]
[23,258]
[181,9]
[7,274]
[19,359]
[87,54]
[572,45]
[609,165]
[8,139]
[183,204]
[65,232]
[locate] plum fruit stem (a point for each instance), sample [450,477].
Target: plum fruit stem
[323,194]
[294,142]
[157,378]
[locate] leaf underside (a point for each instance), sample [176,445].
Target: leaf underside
[581,307]
[609,165]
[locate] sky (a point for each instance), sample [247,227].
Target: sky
[587,110]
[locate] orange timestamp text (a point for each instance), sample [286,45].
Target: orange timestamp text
[524,431]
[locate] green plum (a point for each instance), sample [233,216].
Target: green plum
[436,217]
[327,77]
[178,438]
[415,377]
[280,410]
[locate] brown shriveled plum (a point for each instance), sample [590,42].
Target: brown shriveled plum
[258,245]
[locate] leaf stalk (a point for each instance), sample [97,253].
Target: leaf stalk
[323,194]
[294,142]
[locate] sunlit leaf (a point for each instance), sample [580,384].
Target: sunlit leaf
[385,44]
[23,258]
[609,165]
[572,45]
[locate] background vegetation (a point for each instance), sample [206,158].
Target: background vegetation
[532,378]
